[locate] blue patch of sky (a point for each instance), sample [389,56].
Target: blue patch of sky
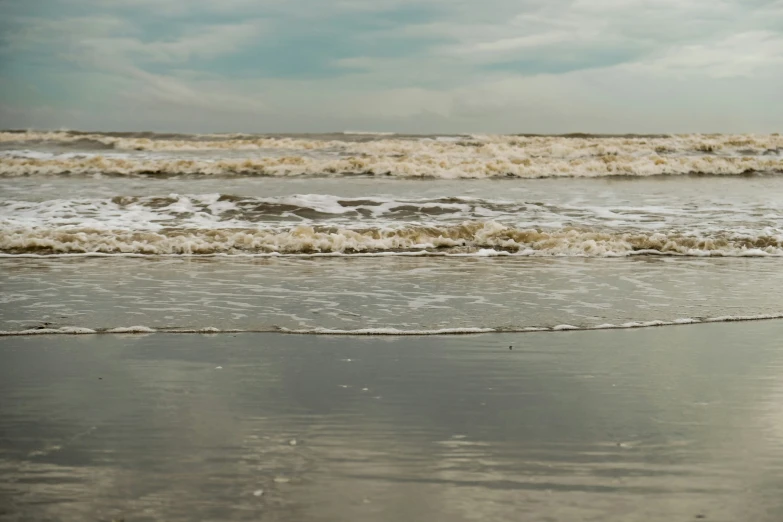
[27,83]
[311,55]
[292,47]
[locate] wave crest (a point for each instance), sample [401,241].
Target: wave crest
[574,145]
[447,167]
[470,238]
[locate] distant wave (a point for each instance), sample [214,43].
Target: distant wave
[388,142]
[41,154]
[369,133]
[74,330]
[432,167]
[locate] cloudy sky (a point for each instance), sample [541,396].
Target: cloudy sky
[393,65]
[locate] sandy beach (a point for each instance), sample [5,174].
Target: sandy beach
[670,423]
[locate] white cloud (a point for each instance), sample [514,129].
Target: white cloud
[355,62]
[112,45]
[145,88]
[170,8]
[534,41]
[63,35]
[114,38]
[744,54]
[202,42]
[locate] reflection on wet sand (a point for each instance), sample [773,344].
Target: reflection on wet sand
[660,424]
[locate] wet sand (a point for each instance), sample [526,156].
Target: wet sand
[672,423]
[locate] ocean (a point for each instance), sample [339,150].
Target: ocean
[357,233]
[383,327]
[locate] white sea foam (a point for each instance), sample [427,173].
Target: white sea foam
[131,330]
[388,331]
[718,217]
[65,330]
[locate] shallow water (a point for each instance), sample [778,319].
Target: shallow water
[404,293]
[656,424]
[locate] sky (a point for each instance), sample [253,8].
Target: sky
[420,66]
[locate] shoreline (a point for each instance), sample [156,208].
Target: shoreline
[387,332]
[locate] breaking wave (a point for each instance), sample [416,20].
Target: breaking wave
[476,238]
[455,157]
[400,167]
[574,145]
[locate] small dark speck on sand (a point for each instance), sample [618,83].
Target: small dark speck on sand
[701,515]
[511,347]
[100,378]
